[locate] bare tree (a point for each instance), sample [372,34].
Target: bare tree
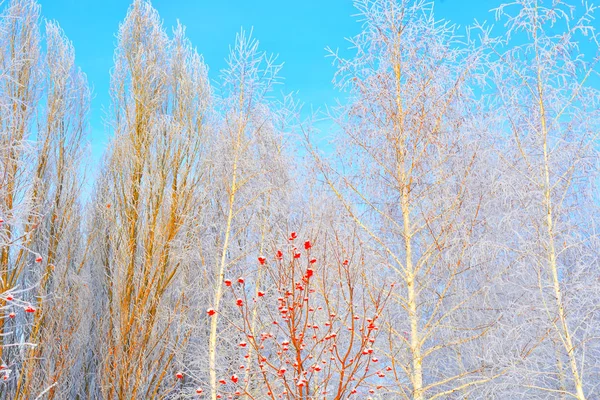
[59,297]
[43,115]
[21,75]
[549,111]
[406,173]
[160,99]
[248,182]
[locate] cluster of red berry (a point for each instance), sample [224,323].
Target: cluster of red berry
[28,308]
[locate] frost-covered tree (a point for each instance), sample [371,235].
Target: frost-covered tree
[408,172]
[549,110]
[44,101]
[447,243]
[143,203]
[248,187]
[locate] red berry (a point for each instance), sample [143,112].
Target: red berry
[241,280]
[30,309]
[262,260]
[239,302]
[211,312]
[179,375]
[227,282]
[307,245]
[293,236]
[12,315]
[261,294]
[199,391]
[38,259]
[10,297]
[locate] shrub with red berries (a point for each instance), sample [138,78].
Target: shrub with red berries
[312,333]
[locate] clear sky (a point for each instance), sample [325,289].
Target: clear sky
[297,30]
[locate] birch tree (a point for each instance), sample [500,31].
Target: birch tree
[248,189]
[406,173]
[549,107]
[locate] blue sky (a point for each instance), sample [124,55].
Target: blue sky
[298,31]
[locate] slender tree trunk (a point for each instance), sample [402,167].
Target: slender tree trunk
[212,344]
[413,315]
[565,335]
